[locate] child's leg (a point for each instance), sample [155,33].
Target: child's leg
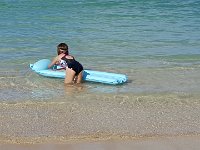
[70,74]
[79,77]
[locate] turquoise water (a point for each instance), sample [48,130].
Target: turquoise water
[144,40]
[155,43]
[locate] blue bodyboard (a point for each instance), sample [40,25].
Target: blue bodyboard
[41,67]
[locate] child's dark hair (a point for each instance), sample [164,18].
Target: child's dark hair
[62,46]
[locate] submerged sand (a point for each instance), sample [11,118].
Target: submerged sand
[102,118]
[161,143]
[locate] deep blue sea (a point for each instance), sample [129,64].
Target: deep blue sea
[156,43]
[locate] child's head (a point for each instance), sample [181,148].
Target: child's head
[62,48]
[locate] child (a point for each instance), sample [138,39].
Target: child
[73,67]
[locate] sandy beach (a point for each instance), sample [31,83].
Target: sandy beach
[144,122]
[155,143]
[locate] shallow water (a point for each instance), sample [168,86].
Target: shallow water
[100,117]
[156,44]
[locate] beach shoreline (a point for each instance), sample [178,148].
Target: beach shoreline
[184,142]
[99,118]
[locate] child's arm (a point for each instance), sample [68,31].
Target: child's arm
[54,61]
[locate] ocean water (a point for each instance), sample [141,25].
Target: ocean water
[155,43]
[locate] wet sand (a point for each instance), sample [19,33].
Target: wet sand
[167,121]
[102,116]
[156,143]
